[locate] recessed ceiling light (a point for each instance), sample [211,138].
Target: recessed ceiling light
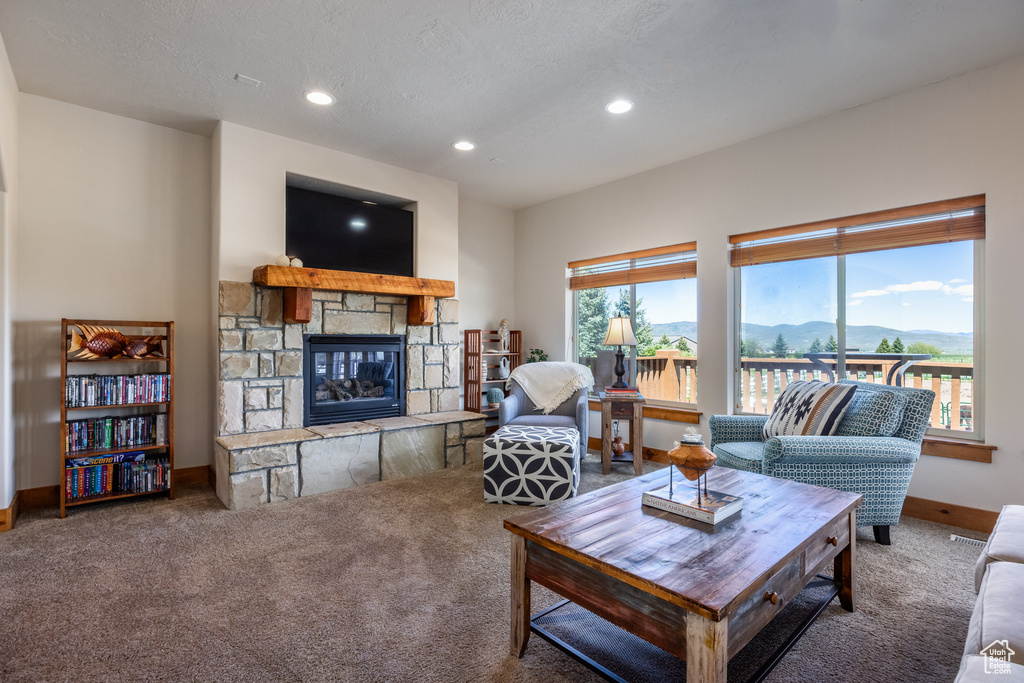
[464,145]
[618,106]
[320,97]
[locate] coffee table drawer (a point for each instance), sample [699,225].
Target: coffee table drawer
[827,543]
[765,602]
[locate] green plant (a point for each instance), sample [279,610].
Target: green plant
[495,395]
[537,356]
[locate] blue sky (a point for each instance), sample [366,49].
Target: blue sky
[920,288]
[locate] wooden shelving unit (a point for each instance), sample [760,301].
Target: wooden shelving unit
[483,353]
[160,364]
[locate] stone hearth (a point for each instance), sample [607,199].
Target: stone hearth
[264,454]
[267,467]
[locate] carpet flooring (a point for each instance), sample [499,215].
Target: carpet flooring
[398,581]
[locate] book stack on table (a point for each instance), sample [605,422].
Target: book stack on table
[621,392]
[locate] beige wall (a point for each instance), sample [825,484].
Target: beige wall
[114,223]
[8,220]
[249,224]
[960,137]
[486,266]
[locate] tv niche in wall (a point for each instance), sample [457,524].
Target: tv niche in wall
[336,227]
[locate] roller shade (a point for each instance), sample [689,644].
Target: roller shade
[676,262]
[954,220]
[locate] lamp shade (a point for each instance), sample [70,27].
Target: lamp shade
[620,333]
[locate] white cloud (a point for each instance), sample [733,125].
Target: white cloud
[968,299]
[956,280]
[919,286]
[962,290]
[906,303]
[856,302]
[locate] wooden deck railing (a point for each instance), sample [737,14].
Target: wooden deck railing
[670,376]
[762,380]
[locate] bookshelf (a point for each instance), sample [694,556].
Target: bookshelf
[117,417]
[483,353]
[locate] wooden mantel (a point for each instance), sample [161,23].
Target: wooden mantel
[299,283]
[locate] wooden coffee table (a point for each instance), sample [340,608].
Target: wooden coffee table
[699,592]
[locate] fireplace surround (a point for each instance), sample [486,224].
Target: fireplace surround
[263,451]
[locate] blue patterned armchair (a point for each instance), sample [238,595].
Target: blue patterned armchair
[877,467]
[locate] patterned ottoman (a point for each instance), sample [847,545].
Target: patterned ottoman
[531,465]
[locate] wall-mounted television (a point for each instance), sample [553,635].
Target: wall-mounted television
[338,233]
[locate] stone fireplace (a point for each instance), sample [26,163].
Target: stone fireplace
[267,450]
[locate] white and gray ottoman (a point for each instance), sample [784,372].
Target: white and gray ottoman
[531,465]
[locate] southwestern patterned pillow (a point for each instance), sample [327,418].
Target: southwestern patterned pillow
[809,409]
[873,413]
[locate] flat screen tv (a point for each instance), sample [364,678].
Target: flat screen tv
[337,233]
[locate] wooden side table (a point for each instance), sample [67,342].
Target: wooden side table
[622,408]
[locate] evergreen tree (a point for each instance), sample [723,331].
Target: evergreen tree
[897,346]
[664,342]
[832,345]
[593,320]
[884,346]
[683,347]
[815,346]
[642,330]
[780,347]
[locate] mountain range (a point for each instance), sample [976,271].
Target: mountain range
[800,337]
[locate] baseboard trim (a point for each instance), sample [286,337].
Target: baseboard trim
[947,513]
[9,514]
[203,474]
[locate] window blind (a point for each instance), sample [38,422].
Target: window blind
[953,220]
[675,262]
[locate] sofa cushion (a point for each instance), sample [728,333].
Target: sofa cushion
[539,420]
[1005,543]
[741,455]
[996,616]
[809,409]
[976,669]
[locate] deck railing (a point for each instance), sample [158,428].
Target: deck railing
[762,380]
[670,376]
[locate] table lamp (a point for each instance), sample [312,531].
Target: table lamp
[620,333]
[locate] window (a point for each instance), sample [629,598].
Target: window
[657,290]
[872,295]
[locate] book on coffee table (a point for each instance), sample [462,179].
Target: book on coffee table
[712,508]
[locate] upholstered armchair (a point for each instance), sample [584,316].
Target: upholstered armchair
[518,409]
[877,467]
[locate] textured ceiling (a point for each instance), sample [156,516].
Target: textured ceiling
[526,80]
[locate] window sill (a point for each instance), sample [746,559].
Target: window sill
[657,412]
[957,449]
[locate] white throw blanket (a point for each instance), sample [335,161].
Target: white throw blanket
[550,384]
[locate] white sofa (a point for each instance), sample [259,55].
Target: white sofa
[996,630]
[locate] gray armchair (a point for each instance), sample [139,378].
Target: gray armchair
[518,409]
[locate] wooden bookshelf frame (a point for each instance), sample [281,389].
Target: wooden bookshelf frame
[479,358]
[165,364]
